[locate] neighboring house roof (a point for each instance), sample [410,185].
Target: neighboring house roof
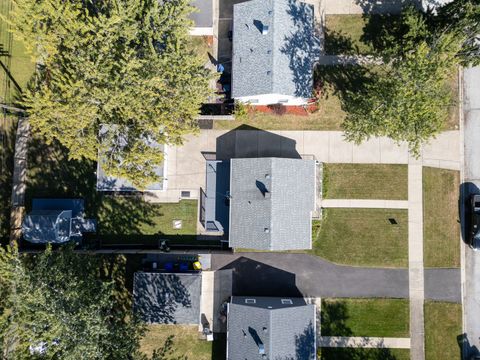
[203,18]
[271,203]
[111,183]
[161,298]
[281,59]
[47,226]
[274,327]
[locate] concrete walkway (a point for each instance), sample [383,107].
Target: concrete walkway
[216,288]
[186,164]
[349,60]
[364,342]
[415,260]
[365,6]
[362,203]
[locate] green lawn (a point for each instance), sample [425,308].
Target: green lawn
[365,181]
[441,229]
[443,323]
[130,220]
[362,237]
[343,34]
[363,354]
[19,63]
[186,342]
[365,317]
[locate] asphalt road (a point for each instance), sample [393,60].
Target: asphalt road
[274,274]
[471,185]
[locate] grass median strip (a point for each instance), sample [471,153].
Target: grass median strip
[365,317]
[443,323]
[362,237]
[365,181]
[363,354]
[441,229]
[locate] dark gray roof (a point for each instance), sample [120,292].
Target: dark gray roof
[271,204]
[286,331]
[47,226]
[161,298]
[280,61]
[204,16]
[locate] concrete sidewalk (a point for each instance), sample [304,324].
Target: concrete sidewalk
[415,260]
[363,203]
[364,342]
[187,170]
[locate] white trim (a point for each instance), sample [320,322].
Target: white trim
[201,31]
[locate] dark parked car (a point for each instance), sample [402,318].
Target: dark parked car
[474,238]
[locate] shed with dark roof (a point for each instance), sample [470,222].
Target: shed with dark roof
[166,298]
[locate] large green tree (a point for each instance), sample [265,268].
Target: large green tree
[113,77]
[409,98]
[462,16]
[63,305]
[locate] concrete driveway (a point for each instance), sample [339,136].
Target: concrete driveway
[284,274]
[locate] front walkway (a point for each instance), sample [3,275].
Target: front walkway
[364,342]
[366,204]
[415,260]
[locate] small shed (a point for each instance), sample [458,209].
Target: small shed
[166,298]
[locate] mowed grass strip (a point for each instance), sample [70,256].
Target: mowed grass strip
[443,323]
[362,237]
[365,317]
[441,229]
[185,341]
[363,354]
[365,181]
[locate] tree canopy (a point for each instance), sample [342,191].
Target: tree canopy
[113,77]
[63,305]
[409,97]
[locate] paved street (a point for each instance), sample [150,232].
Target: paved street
[283,274]
[471,185]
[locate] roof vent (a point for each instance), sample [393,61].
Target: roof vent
[268,72]
[264,329]
[264,29]
[267,176]
[261,349]
[266,230]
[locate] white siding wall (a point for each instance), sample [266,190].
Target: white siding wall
[271,99]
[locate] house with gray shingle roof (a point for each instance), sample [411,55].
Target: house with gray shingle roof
[270,328]
[271,203]
[274,52]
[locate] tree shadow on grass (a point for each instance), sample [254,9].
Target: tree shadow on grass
[337,42]
[344,81]
[51,174]
[383,32]
[7,150]
[333,323]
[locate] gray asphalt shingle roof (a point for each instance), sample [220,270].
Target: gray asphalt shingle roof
[284,331]
[271,204]
[280,61]
[161,298]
